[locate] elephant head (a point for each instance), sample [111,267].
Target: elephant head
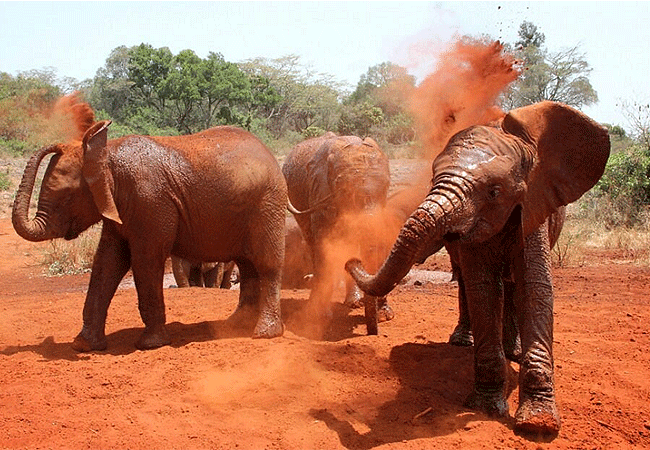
[534,160]
[358,178]
[76,188]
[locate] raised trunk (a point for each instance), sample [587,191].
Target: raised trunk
[423,231]
[35,229]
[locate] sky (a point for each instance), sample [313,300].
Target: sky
[343,39]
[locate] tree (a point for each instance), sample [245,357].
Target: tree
[561,76]
[378,105]
[154,91]
[638,114]
[308,98]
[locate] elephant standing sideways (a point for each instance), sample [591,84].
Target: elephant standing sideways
[493,189]
[218,195]
[339,179]
[202,274]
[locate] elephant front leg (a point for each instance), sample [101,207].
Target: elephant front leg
[462,334]
[537,411]
[484,292]
[112,261]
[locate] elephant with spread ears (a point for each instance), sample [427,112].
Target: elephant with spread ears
[493,189]
[336,184]
[218,195]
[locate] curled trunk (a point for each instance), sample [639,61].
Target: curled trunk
[423,231]
[35,229]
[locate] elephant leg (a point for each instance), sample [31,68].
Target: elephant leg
[112,261]
[249,296]
[212,274]
[511,339]
[226,280]
[484,292]
[269,323]
[462,334]
[353,294]
[195,275]
[181,269]
[148,265]
[384,311]
[537,412]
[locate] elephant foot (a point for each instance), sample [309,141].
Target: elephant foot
[354,300]
[153,337]
[385,313]
[267,329]
[513,350]
[462,336]
[493,404]
[84,343]
[535,416]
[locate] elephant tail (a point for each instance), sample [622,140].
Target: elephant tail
[320,204]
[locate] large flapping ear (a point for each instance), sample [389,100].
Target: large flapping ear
[95,169]
[571,154]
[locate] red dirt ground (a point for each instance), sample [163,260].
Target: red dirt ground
[214,390]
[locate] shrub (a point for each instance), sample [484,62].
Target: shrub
[624,189]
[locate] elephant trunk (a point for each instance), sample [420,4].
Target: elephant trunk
[421,235]
[35,229]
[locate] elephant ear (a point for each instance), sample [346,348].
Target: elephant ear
[570,152]
[96,172]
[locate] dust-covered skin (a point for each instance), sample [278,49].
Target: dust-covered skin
[493,189]
[346,178]
[218,195]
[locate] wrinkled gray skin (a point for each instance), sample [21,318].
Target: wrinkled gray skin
[204,274]
[492,192]
[341,175]
[150,193]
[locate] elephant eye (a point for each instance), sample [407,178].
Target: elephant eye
[494,192]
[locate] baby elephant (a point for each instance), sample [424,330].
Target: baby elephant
[340,183]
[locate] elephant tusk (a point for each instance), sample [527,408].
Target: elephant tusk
[319,205]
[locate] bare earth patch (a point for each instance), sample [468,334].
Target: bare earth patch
[402,389]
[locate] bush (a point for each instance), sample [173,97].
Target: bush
[14,147]
[624,189]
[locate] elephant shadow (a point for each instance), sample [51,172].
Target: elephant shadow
[121,342]
[340,325]
[434,381]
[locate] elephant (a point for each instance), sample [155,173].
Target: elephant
[202,274]
[493,188]
[150,195]
[333,181]
[298,268]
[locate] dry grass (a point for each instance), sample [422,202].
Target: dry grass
[71,257]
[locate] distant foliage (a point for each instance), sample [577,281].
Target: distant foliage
[379,105]
[149,89]
[625,187]
[561,76]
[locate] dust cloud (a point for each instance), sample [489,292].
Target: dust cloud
[67,120]
[463,90]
